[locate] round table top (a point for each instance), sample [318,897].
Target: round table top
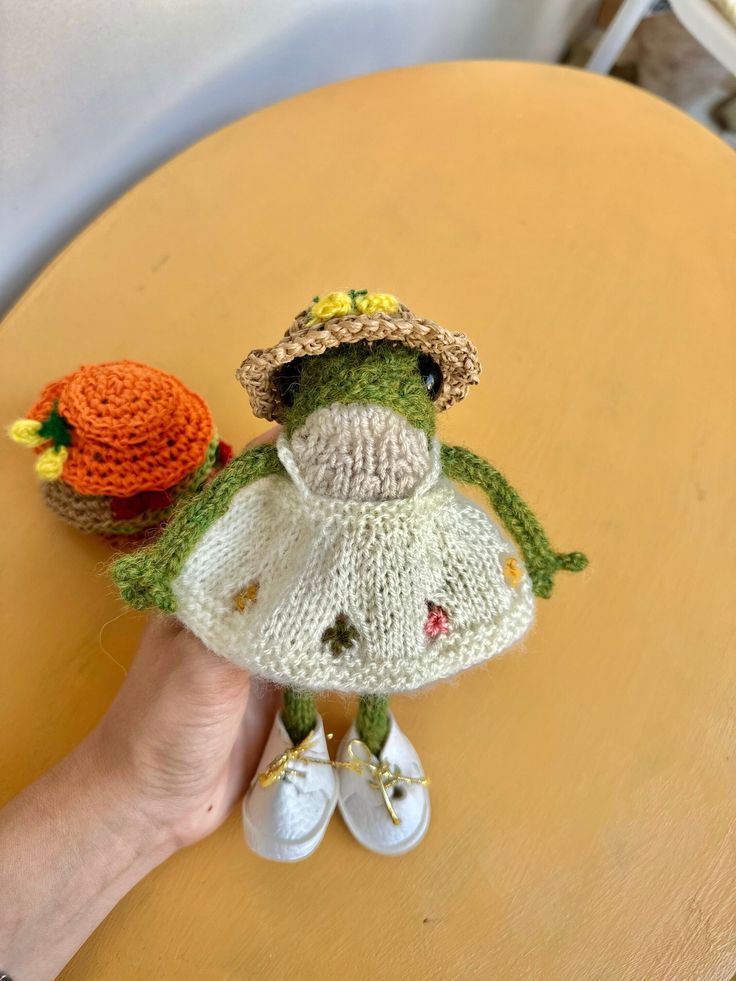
[583,234]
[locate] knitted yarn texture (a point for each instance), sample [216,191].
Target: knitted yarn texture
[371,455]
[134,428]
[384,374]
[542,561]
[298,713]
[373,722]
[145,578]
[348,592]
[347,318]
[343,558]
[99,515]
[119,444]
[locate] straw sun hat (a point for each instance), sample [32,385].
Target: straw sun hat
[349,317]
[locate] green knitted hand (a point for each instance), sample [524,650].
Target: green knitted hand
[141,583]
[541,561]
[543,565]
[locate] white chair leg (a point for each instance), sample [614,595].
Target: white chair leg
[618,32]
[710,27]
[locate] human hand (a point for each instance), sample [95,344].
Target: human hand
[187,727]
[185,732]
[163,768]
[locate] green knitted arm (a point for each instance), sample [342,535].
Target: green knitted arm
[144,578]
[540,558]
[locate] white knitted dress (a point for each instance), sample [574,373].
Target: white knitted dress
[354,596]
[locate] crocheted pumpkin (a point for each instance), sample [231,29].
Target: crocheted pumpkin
[118,444]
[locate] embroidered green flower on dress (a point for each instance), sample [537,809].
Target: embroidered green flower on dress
[340,636]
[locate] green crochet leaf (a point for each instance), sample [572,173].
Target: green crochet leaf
[56,428]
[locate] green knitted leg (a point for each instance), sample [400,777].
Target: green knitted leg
[299,714]
[373,722]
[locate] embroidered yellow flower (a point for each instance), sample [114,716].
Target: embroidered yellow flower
[333,305]
[247,596]
[376,303]
[51,463]
[512,571]
[26,432]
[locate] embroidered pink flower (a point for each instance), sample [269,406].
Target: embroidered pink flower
[437,622]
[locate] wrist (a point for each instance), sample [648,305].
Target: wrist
[88,825]
[120,805]
[152,804]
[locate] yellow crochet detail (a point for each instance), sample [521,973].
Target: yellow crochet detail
[376,303]
[25,432]
[512,571]
[333,305]
[247,596]
[51,463]
[340,304]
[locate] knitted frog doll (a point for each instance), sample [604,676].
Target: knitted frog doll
[342,558]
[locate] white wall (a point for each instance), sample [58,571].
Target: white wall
[95,93]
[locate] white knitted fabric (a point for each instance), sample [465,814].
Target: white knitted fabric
[379,564]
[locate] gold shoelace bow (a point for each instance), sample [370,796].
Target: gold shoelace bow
[279,767]
[382,775]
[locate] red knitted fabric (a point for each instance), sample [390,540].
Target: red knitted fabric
[224,453]
[134,428]
[125,508]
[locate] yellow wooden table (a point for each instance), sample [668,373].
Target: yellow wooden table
[584,235]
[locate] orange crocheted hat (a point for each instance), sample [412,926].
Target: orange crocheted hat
[133,428]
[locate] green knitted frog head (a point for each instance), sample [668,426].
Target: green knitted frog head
[384,373]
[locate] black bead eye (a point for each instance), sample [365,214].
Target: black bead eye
[431,375]
[288,382]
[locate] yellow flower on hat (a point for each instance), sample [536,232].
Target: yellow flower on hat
[333,305]
[376,303]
